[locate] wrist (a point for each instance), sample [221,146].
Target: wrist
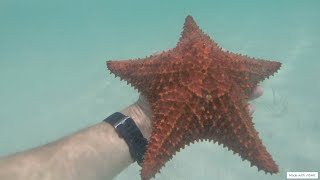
[140,116]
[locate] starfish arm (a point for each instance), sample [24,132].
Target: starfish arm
[233,127]
[194,36]
[150,72]
[252,70]
[162,63]
[246,72]
[168,119]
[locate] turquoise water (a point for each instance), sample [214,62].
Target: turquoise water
[54,79]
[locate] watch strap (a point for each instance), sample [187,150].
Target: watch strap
[128,130]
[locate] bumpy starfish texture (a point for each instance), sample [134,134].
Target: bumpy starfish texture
[197,91]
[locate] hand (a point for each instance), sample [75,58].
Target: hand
[142,114]
[145,107]
[257,92]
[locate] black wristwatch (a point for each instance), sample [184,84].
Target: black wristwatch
[128,130]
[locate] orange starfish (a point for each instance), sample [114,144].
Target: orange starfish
[197,91]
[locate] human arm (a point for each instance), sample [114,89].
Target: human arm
[93,153]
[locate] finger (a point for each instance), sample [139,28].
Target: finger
[257,92]
[251,108]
